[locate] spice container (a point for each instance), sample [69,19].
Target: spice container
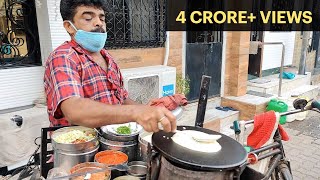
[111,158]
[138,169]
[91,166]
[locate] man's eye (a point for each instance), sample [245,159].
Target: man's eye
[88,19]
[102,19]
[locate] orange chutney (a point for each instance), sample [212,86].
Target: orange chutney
[111,157]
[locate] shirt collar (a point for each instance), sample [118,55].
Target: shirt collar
[77,47]
[81,51]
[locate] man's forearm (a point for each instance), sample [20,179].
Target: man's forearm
[89,113]
[129,101]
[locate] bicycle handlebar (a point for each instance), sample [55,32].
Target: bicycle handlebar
[315,104]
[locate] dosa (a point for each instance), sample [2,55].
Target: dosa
[185,139]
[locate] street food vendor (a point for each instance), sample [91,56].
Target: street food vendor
[83,83]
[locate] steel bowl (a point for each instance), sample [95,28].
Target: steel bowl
[109,133]
[138,169]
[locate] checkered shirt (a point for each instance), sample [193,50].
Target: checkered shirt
[71,72]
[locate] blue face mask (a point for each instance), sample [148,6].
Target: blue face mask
[91,41]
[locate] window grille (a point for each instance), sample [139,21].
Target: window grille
[135,23]
[19,40]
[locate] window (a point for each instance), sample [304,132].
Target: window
[135,23]
[19,39]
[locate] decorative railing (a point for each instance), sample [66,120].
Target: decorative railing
[135,23]
[19,41]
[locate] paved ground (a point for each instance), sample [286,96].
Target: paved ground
[303,149]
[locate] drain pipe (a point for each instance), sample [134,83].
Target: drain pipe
[167,45]
[282,62]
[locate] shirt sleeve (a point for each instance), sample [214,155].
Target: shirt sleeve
[65,82]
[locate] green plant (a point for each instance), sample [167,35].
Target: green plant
[182,84]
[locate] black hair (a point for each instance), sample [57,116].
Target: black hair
[68,7]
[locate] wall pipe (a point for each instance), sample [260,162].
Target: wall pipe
[167,45]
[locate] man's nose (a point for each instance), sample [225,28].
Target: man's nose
[98,22]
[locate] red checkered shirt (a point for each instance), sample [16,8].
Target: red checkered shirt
[71,72]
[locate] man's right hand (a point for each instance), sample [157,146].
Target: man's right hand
[150,118]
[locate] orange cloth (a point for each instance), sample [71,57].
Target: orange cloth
[263,127]
[170,102]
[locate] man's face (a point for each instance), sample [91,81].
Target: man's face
[87,18]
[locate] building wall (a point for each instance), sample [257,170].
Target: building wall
[297,50]
[236,63]
[176,50]
[44,29]
[272,54]
[126,58]
[310,62]
[132,58]
[52,34]
[20,86]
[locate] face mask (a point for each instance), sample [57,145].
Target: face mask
[91,41]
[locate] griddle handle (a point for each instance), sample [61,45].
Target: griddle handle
[203,98]
[155,166]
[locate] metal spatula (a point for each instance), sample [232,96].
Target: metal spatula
[206,138]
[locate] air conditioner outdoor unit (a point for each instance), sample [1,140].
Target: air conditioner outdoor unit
[146,83]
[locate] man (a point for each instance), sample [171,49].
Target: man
[83,83]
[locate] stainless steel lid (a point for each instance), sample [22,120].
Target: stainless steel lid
[82,146]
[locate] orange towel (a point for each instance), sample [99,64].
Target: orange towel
[170,102]
[263,127]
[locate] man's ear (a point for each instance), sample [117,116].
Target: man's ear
[69,28]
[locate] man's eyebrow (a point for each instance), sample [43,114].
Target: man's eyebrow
[92,13]
[88,12]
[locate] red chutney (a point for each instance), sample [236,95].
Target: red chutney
[110,157]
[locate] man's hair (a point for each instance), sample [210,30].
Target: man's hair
[68,7]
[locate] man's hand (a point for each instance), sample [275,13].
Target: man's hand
[150,118]
[89,113]
[150,102]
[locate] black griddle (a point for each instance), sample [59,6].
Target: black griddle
[231,155]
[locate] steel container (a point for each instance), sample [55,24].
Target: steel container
[127,147]
[68,155]
[142,152]
[138,169]
[124,143]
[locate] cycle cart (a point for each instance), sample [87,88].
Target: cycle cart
[269,161]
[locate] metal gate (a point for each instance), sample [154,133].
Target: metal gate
[19,40]
[204,57]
